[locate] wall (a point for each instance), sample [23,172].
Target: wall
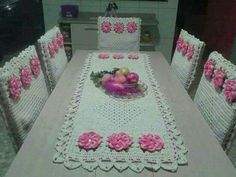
[165,13]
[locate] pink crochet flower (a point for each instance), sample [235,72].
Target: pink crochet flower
[119,27]
[51,49]
[133,56]
[103,56]
[65,34]
[106,27]
[89,140]
[118,56]
[15,87]
[151,142]
[218,78]
[184,48]
[131,27]
[190,52]
[230,90]
[59,39]
[26,76]
[119,141]
[55,44]
[179,43]
[35,66]
[209,68]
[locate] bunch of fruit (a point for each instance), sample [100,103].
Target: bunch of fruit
[120,81]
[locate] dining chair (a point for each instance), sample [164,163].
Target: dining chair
[52,54]
[23,93]
[187,55]
[119,33]
[216,96]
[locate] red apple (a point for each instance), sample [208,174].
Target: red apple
[132,78]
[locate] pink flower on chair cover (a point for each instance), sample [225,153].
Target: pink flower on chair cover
[15,87]
[209,69]
[119,141]
[89,140]
[119,27]
[190,52]
[118,56]
[133,56]
[51,49]
[103,56]
[179,44]
[26,76]
[151,142]
[218,78]
[184,48]
[106,27]
[131,27]
[230,90]
[55,44]
[35,66]
[60,40]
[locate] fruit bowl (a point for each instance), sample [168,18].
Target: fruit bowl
[119,83]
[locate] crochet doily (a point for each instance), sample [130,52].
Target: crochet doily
[91,109]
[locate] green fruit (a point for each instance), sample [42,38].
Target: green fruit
[124,71]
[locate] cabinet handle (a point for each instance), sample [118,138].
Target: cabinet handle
[91,29]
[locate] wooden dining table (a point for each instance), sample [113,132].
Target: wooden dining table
[205,156]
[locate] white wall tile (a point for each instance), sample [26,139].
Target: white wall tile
[147,4]
[51,15]
[126,4]
[165,46]
[94,3]
[91,9]
[169,4]
[149,10]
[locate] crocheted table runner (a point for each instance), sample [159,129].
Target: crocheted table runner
[91,109]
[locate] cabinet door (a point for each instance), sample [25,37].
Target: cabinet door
[84,36]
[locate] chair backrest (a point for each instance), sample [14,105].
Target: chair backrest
[187,55]
[52,54]
[119,33]
[216,96]
[23,92]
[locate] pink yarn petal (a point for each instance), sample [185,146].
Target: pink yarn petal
[151,143]
[26,76]
[119,141]
[119,27]
[15,87]
[89,140]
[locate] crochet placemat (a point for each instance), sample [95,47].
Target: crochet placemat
[91,110]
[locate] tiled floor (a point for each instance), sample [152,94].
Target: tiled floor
[7,152]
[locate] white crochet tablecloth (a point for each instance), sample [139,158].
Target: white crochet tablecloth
[92,110]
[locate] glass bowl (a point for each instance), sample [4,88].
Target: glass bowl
[130,91]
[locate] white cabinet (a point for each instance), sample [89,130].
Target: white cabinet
[84,36]
[83,30]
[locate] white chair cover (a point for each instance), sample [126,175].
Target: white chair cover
[184,67]
[21,112]
[212,102]
[119,33]
[54,65]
